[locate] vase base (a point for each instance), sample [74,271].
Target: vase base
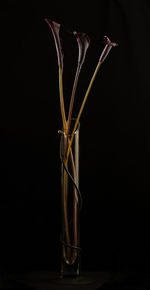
[81,280]
[89,279]
[41,280]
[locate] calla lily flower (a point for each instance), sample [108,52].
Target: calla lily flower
[55,28]
[107,48]
[83,44]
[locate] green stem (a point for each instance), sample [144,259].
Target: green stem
[72,98]
[82,107]
[62,106]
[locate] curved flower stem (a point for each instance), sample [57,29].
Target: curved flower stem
[82,107]
[72,98]
[62,106]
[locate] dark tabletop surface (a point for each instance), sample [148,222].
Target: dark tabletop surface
[90,281]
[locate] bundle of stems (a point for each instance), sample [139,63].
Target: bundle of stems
[83,41]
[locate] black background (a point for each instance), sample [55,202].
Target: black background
[114,135]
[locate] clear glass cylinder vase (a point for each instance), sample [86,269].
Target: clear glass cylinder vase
[70,205]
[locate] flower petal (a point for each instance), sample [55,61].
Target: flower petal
[107,48]
[55,28]
[83,44]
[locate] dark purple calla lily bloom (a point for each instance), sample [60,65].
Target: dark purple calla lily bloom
[107,48]
[55,28]
[83,44]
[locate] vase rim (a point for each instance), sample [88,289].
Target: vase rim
[70,134]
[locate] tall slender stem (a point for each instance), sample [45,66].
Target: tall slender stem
[82,107]
[72,98]
[62,106]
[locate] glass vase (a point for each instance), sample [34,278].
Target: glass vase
[70,205]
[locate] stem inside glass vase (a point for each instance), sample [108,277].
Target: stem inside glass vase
[71,202]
